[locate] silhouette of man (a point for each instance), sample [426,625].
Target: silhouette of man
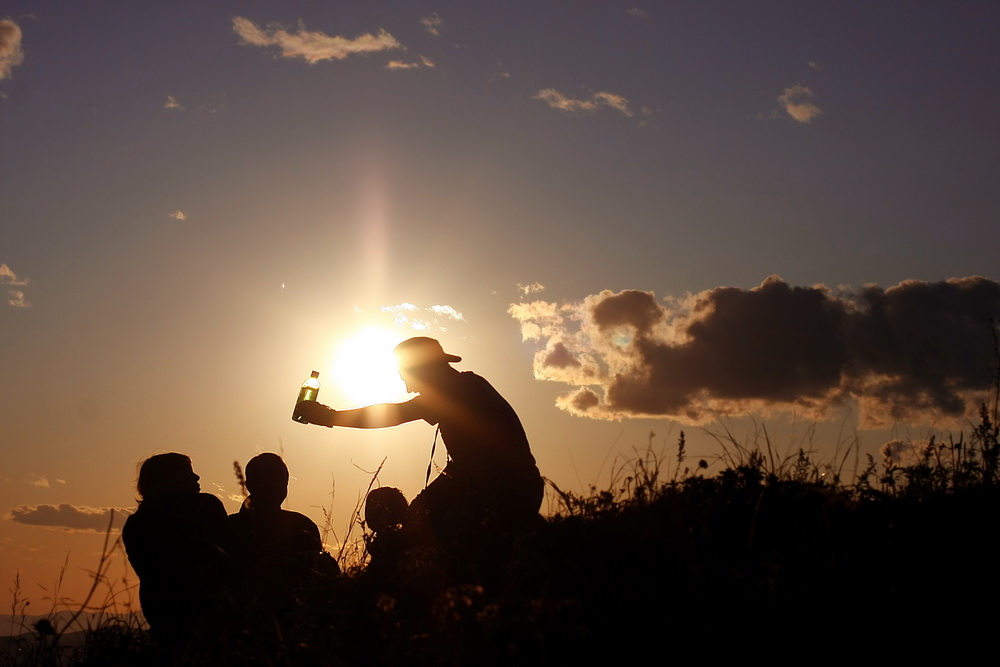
[273,549]
[176,543]
[491,479]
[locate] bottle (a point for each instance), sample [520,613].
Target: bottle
[308,392]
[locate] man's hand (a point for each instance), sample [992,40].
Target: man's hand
[311,412]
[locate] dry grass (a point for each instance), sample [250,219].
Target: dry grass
[757,539]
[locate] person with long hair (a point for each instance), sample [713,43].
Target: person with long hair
[176,543]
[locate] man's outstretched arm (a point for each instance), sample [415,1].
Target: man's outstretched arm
[373,416]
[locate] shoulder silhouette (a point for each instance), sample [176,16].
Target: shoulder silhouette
[176,542]
[490,489]
[275,551]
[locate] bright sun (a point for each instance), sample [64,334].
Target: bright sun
[364,368]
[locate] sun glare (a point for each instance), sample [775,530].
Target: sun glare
[364,368]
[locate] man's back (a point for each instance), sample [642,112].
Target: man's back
[480,429]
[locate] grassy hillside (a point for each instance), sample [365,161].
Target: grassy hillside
[770,557]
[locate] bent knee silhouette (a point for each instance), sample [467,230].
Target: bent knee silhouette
[491,482]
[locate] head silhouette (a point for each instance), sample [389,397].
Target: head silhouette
[420,352]
[422,362]
[267,481]
[166,474]
[385,508]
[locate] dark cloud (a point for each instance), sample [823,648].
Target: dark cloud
[560,357]
[916,351]
[583,400]
[904,452]
[69,517]
[629,308]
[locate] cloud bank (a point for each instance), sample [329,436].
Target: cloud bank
[557,100]
[11,54]
[69,517]
[914,352]
[311,45]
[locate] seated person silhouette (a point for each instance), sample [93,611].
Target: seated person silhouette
[176,543]
[385,514]
[274,550]
[491,484]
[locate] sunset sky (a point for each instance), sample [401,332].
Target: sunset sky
[632,218]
